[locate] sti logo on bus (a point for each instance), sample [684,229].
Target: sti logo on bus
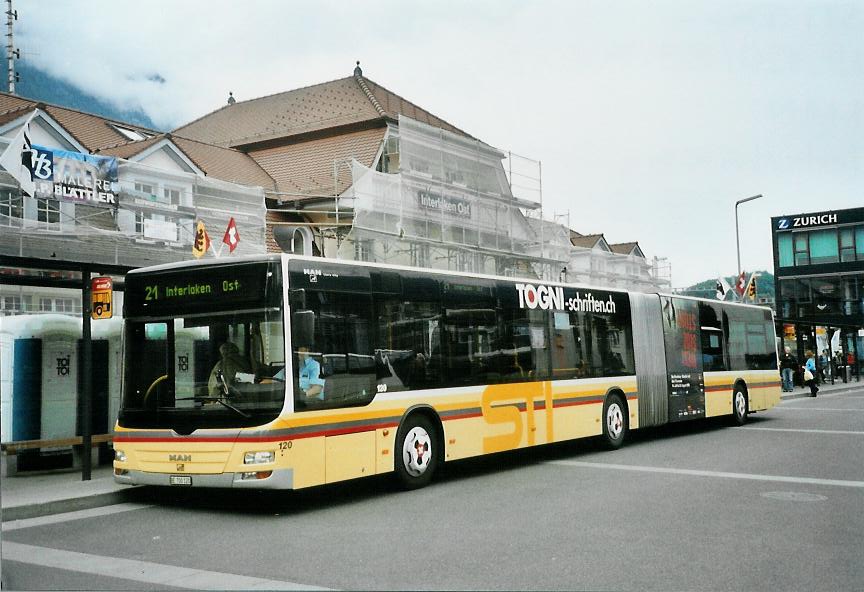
[546,297]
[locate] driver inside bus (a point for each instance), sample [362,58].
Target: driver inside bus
[311,382]
[230,363]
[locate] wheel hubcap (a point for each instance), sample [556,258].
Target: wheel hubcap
[614,421]
[740,404]
[417,451]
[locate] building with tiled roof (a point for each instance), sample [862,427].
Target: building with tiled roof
[164,184]
[595,261]
[627,249]
[317,142]
[298,135]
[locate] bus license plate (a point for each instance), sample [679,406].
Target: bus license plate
[180,480]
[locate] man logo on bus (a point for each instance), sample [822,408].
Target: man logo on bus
[544,297]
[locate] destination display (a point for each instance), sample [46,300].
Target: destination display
[210,289]
[683,359]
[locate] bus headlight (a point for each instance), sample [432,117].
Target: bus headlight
[259,458]
[119,456]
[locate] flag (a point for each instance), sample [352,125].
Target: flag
[19,159]
[201,244]
[741,284]
[751,288]
[232,237]
[722,288]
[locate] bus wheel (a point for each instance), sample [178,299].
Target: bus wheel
[415,442]
[614,421]
[739,406]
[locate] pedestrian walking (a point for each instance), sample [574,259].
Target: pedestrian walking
[810,373]
[788,365]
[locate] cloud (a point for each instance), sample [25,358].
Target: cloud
[650,119]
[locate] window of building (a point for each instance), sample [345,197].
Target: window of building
[10,305]
[362,250]
[139,223]
[145,188]
[132,134]
[390,156]
[859,243]
[847,244]
[802,251]
[171,195]
[420,255]
[48,211]
[11,208]
[785,250]
[824,247]
[46,305]
[64,305]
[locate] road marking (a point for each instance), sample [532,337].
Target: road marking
[141,571]
[68,516]
[801,431]
[820,409]
[721,474]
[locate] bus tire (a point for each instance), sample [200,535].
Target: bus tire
[418,452]
[739,405]
[615,423]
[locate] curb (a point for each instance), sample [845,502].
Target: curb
[39,509]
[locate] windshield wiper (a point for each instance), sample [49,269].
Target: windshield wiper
[221,400]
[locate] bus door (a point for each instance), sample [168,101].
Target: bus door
[685,378]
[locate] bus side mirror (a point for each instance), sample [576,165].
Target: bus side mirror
[303,328]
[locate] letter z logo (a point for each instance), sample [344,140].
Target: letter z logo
[783,224]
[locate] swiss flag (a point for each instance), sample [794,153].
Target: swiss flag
[232,237]
[740,285]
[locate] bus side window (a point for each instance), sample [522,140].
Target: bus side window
[341,350]
[603,341]
[470,335]
[407,352]
[713,339]
[751,341]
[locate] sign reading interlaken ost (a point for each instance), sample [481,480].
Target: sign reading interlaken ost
[75,177]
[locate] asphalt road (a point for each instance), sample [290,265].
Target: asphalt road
[775,505]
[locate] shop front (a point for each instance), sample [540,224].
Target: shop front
[819,275]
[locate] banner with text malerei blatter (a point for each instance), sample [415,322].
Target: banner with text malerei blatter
[75,177]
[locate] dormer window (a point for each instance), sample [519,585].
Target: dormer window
[131,134]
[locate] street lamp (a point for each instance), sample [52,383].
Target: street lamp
[737,241]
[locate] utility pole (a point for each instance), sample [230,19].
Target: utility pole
[11,52]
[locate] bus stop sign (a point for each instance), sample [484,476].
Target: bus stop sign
[101,298]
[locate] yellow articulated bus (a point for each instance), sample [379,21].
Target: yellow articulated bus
[287,372]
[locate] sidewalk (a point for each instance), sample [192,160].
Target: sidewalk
[42,494]
[55,492]
[824,389]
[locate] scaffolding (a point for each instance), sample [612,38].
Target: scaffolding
[146,226]
[456,204]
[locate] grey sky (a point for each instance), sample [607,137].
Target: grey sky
[650,118]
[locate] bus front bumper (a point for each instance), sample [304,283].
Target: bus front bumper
[278,479]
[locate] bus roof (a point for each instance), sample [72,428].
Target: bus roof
[442,272]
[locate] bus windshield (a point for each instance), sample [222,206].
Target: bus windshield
[202,367]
